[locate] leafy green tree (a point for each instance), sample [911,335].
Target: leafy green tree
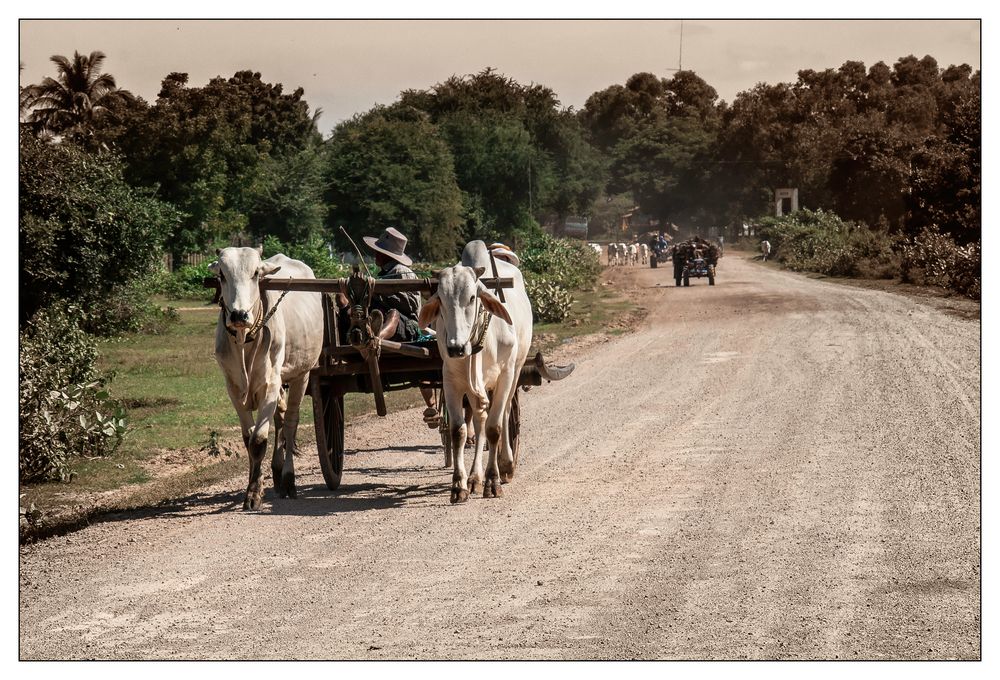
[660,134]
[662,165]
[854,141]
[518,155]
[76,101]
[392,168]
[945,181]
[499,170]
[869,177]
[237,155]
[86,236]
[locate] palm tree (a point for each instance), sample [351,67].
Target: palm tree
[77,99]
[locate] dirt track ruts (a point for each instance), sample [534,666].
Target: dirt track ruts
[774,467]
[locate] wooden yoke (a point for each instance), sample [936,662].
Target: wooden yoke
[360,288]
[382,286]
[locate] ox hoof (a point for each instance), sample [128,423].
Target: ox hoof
[506,471]
[474,485]
[252,503]
[288,486]
[492,488]
[459,495]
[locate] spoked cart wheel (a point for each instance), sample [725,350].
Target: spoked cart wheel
[444,427]
[514,427]
[328,412]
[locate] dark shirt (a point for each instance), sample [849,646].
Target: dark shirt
[408,304]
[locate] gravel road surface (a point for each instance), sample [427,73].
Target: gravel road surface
[771,468]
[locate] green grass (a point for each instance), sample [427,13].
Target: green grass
[592,311]
[171,385]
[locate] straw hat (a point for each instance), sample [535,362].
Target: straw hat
[391,243]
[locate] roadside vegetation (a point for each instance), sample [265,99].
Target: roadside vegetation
[822,242]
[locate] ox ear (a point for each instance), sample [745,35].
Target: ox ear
[214,267]
[479,271]
[266,268]
[429,311]
[218,251]
[492,305]
[260,250]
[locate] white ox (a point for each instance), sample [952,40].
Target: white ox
[257,360]
[487,378]
[644,252]
[633,253]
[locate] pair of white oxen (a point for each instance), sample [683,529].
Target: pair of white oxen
[261,347]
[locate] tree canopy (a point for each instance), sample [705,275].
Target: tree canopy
[85,234]
[391,168]
[483,155]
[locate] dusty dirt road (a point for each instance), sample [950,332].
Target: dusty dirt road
[775,467]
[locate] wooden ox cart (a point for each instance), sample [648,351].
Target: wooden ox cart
[359,359]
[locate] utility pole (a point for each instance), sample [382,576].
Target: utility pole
[680,52]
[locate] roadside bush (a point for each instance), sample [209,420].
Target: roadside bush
[550,302]
[84,233]
[64,408]
[129,309]
[822,242]
[563,262]
[935,259]
[185,282]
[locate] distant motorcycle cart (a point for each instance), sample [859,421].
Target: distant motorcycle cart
[694,258]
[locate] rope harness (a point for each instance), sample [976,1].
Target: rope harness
[479,328]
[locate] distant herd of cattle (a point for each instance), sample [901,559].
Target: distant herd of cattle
[620,254]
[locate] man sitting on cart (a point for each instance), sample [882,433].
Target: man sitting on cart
[399,310]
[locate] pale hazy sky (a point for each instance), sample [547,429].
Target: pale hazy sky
[348,66]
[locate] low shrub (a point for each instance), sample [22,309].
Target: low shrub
[935,259]
[64,408]
[314,253]
[821,242]
[185,282]
[550,302]
[566,263]
[129,309]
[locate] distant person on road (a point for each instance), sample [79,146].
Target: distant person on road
[765,250]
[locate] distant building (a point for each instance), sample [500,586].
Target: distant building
[635,222]
[786,201]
